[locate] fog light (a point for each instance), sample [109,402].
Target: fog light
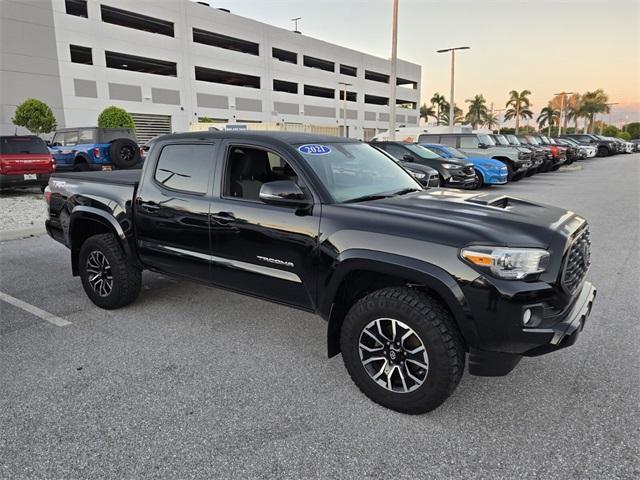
[526,318]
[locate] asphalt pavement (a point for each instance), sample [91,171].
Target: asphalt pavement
[195,382]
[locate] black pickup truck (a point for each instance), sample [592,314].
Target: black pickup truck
[411,281]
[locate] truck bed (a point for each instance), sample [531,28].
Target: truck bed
[118,177]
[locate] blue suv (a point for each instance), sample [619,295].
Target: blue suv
[94,148]
[488,171]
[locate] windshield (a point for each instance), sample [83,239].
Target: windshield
[22,145]
[513,140]
[422,151]
[353,170]
[501,140]
[486,139]
[455,153]
[533,140]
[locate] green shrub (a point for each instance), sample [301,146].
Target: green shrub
[624,136]
[633,129]
[610,131]
[115,117]
[35,116]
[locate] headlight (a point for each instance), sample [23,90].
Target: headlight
[450,166]
[417,175]
[507,263]
[522,155]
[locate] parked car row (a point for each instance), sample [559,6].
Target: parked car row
[472,160]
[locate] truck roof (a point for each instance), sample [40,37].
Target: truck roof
[291,138]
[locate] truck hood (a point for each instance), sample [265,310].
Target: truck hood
[462,218]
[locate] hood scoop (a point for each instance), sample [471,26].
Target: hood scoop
[498,202]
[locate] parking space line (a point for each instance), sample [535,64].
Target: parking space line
[27,307]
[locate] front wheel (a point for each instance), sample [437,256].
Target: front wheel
[402,349]
[479,181]
[108,278]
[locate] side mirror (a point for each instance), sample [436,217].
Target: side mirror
[482,145]
[284,193]
[408,158]
[48,142]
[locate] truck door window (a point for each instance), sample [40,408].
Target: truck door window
[448,140]
[469,142]
[185,168]
[247,168]
[70,138]
[86,136]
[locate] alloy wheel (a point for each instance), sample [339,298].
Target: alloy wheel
[99,273]
[393,355]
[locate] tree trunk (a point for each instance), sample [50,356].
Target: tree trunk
[517,118]
[591,118]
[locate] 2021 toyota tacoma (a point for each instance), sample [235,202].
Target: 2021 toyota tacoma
[411,281]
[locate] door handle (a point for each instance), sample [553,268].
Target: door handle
[150,207]
[223,218]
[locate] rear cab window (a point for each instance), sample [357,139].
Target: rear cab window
[22,145]
[185,167]
[470,141]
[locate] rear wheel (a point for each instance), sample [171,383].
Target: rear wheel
[402,349]
[108,278]
[80,166]
[603,151]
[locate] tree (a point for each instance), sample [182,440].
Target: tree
[426,112]
[444,115]
[491,120]
[478,112]
[624,136]
[610,131]
[519,103]
[593,103]
[633,129]
[574,110]
[548,116]
[115,117]
[438,101]
[35,116]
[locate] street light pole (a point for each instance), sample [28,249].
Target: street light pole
[453,72]
[560,120]
[394,73]
[344,107]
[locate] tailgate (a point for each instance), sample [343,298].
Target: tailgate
[21,163]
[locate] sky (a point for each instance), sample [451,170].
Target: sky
[543,46]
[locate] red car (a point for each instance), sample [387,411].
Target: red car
[24,161]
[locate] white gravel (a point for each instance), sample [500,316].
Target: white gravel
[22,210]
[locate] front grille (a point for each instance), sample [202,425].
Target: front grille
[577,262]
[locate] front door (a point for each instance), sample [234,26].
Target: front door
[263,250]
[172,210]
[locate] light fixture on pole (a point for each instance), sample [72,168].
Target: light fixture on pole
[344,106]
[602,124]
[394,73]
[563,96]
[295,21]
[453,73]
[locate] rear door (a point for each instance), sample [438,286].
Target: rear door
[24,155]
[172,209]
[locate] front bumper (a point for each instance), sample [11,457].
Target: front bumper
[10,181]
[556,321]
[495,177]
[460,180]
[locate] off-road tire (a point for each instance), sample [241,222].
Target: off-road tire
[436,329]
[126,278]
[124,153]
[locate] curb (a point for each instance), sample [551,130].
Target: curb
[22,233]
[570,168]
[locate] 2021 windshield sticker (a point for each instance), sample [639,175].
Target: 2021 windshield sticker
[314,149]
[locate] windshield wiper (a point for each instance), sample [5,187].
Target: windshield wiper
[366,198]
[404,191]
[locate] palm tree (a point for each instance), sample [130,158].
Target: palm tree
[438,101]
[426,112]
[491,120]
[477,111]
[548,116]
[574,109]
[593,103]
[444,115]
[519,103]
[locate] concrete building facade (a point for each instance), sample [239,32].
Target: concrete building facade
[172,62]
